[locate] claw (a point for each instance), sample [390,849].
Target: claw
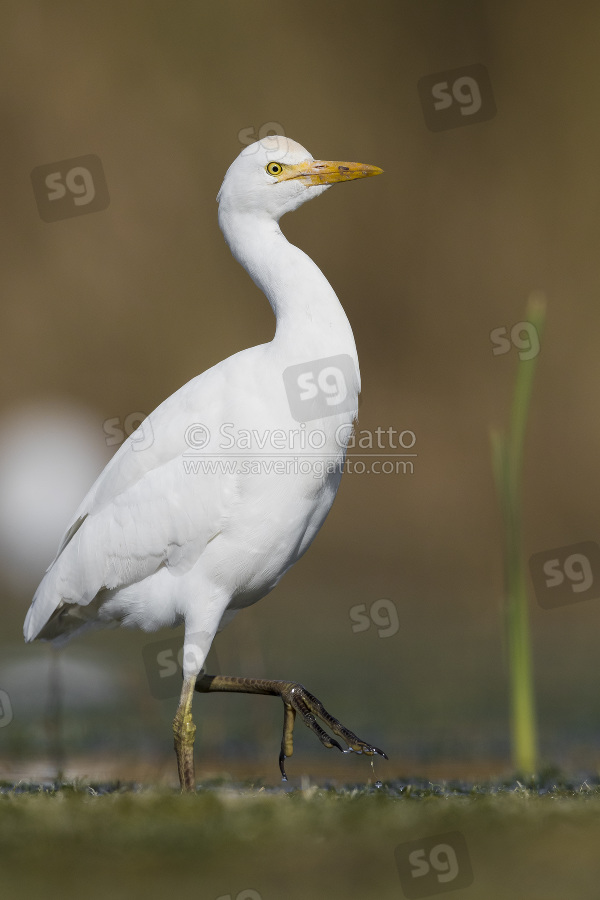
[281,766]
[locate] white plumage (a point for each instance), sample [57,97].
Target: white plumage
[155,543]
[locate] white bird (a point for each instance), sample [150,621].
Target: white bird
[236,471]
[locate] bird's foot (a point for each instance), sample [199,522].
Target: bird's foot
[296,699]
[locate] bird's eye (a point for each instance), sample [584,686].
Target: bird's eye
[274,168]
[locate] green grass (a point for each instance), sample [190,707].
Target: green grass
[537,841]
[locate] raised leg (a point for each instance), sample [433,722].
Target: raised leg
[184,732]
[296,699]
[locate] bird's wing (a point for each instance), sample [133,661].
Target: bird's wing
[145,510]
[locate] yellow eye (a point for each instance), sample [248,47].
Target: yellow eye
[274,168]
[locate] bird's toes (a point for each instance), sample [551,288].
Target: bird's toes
[359,746]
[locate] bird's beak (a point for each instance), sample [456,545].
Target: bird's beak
[320,171]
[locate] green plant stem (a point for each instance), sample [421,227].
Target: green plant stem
[507,463]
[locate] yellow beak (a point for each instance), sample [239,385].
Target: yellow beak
[319,171]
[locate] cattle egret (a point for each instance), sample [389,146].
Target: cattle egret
[202,512]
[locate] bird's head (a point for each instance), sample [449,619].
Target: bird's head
[276,175]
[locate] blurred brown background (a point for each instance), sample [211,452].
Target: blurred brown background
[108,313]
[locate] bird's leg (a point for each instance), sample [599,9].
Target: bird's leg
[296,699]
[184,731]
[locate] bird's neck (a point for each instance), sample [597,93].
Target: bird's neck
[311,322]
